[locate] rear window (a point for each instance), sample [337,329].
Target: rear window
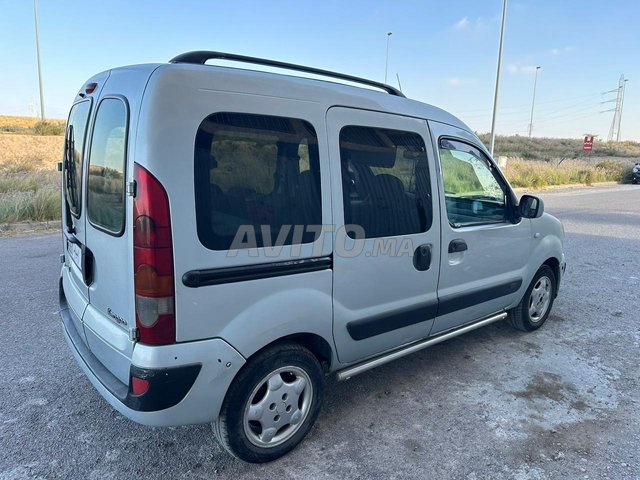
[105,200]
[73,154]
[257,181]
[385,181]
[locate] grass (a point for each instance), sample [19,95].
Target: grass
[536,174]
[558,148]
[28,192]
[29,180]
[31,126]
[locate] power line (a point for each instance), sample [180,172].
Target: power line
[526,106]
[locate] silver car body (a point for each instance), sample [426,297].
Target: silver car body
[220,326]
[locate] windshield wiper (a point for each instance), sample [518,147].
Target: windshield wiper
[71,196]
[70,168]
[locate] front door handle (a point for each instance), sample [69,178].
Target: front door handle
[457,245]
[422,257]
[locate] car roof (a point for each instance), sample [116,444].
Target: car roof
[322,91]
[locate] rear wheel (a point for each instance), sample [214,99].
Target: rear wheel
[272,404]
[534,309]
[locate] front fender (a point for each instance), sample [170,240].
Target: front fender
[548,238]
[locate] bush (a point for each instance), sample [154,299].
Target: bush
[19,165]
[29,196]
[535,174]
[48,128]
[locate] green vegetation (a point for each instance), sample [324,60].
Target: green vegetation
[27,193]
[48,128]
[528,174]
[558,148]
[458,176]
[31,126]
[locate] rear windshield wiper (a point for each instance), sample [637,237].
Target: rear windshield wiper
[70,168]
[70,172]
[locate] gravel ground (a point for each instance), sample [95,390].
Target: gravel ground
[562,402]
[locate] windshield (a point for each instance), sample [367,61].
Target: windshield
[73,154]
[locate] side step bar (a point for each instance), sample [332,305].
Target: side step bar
[414,347]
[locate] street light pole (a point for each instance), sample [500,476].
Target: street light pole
[386,58]
[535,82]
[35,14]
[495,97]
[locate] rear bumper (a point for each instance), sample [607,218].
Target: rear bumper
[187,382]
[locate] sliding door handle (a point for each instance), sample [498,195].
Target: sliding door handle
[422,257]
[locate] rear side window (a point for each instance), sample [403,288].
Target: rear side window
[73,154]
[385,181]
[257,181]
[105,200]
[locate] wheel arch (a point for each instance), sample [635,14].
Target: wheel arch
[313,342]
[554,264]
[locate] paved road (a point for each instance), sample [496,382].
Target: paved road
[563,402]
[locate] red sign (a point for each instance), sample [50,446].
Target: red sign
[587,146]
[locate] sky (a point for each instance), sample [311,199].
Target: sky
[444,52]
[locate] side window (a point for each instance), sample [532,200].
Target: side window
[257,181]
[105,200]
[385,181]
[473,194]
[73,154]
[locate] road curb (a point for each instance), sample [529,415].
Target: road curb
[29,228]
[568,186]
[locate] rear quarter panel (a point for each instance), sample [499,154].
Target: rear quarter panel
[248,314]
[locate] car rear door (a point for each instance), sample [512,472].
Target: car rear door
[73,219]
[109,319]
[387,239]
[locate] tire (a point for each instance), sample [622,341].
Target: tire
[535,306]
[272,404]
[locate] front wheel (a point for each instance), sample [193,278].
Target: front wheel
[534,308]
[272,404]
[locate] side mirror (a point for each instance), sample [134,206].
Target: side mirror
[530,207]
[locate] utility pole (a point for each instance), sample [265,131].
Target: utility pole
[35,14]
[495,97]
[624,87]
[535,82]
[386,58]
[614,130]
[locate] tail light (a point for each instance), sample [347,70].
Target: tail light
[153,261]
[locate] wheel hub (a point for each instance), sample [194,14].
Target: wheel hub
[540,299]
[278,406]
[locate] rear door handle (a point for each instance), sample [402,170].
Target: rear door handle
[422,257]
[457,245]
[71,237]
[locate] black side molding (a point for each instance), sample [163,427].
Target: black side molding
[453,303]
[370,327]
[364,328]
[217,276]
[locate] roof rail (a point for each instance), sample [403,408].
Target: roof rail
[202,56]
